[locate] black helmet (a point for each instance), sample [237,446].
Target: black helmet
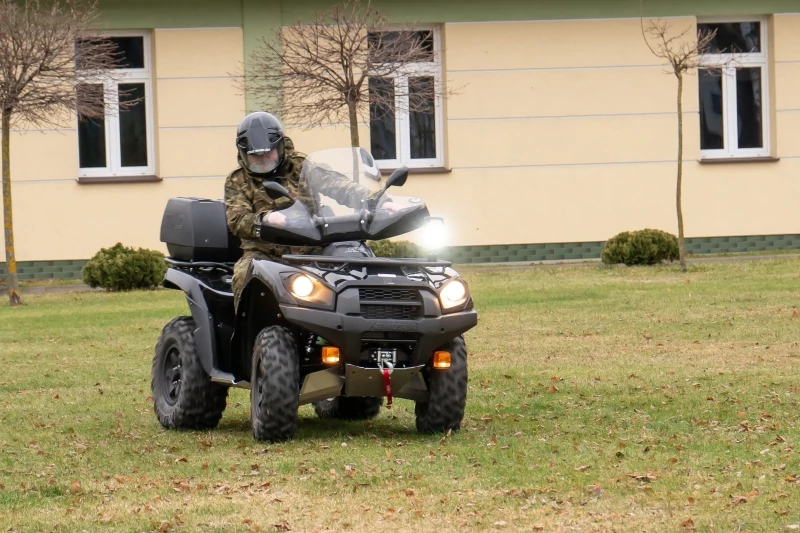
[260,136]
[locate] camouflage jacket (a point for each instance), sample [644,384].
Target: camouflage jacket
[246,201]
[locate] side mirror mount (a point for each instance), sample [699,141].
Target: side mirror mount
[398,178]
[276,191]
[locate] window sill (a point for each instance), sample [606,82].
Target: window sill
[423,170]
[118,179]
[722,161]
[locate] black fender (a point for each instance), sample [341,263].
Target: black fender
[204,334]
[259,307]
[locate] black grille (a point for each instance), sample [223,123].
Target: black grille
[388,294]
[390,312]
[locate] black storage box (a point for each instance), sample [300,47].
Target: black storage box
[195,229]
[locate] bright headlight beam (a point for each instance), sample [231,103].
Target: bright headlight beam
[302,286]
[434,234]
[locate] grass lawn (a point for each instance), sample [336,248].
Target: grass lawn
[600,399]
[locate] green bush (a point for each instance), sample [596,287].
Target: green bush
[397,249]
[120,268]
[643,247]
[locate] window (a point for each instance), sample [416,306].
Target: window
[733,96]
[121,143]
[408,129]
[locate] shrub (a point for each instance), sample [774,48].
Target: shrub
[643,247]
[120,268]
[397,249]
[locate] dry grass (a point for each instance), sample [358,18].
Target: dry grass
[601,399]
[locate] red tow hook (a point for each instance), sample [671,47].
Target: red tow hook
[387,382]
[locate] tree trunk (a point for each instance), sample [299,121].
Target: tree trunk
[8,223]
[351,110]
[681,245]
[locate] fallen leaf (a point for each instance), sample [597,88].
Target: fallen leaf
[688,524]
[538,527]
[283,526]
[388,454]
[500,523]
[795,314]
[409,492]
[582,468]
[181,460]
[75,487]
[552,389]
[793,526]
[739,500]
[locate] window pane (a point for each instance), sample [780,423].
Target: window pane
[748,107]
[91,131]
[733,37]
[131,51]
[390,44]
[711,106]
[383,141]
[422,117]
[132,125]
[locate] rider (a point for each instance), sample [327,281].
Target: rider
[266,154]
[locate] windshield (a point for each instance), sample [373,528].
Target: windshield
[340,196]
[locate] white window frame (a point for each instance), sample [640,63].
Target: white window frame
[732,63]
[114,166]
[402,123]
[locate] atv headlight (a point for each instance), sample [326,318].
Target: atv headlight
[309,289]
[453,294]
[302,286]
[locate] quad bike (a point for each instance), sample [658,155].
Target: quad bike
[341,330]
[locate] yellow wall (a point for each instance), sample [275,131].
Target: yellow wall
[569,129]
[564,131]
[197,108]
[199,101]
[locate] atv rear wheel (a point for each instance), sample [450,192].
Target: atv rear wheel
[444,409]
[275,385]
[349,408]
[183,395]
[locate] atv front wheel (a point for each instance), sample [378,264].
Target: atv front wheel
[349,408]
[183,395]
[444,409]
[274,385]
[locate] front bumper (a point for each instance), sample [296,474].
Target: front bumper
[406,383]
[346,332]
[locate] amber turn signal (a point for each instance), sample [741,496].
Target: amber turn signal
[441,360]
[330,355]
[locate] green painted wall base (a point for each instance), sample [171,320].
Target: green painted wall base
[592,250]
[501,253]
[36,270]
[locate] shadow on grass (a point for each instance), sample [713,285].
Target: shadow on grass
[311,428]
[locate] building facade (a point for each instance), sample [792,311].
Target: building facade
[563,131]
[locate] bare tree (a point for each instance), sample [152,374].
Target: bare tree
[340,66]
[683,52]
[47,51]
